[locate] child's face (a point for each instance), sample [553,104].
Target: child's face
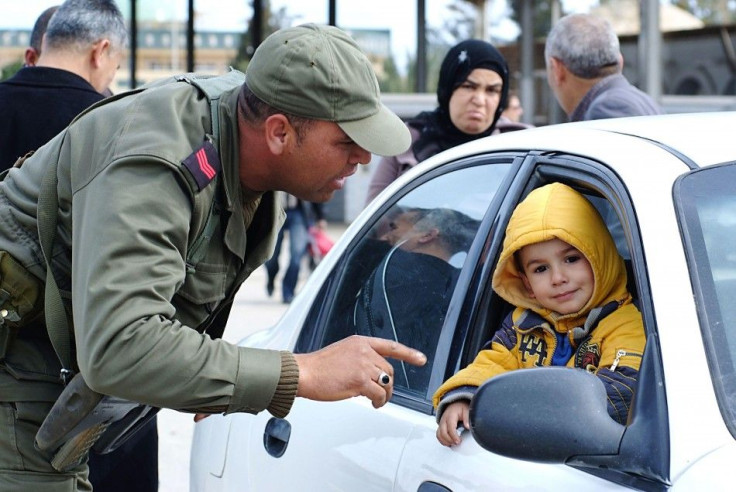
[557,275]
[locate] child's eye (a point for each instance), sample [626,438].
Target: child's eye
[573,258]
[540,269]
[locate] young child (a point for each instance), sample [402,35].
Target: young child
[561,269]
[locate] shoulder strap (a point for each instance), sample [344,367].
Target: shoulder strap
[57,320]
[212,88]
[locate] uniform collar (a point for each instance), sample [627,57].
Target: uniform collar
[268,217]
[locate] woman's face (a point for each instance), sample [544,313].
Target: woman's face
[474,103]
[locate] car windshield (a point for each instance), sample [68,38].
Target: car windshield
[706,201]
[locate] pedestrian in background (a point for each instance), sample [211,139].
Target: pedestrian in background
[300,215]
[84,44]
[471,94]
[584,71]
[33,51]
[513,111]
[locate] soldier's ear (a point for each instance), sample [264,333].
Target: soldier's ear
[278,133]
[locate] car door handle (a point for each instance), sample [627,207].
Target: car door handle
[432,487]
[276,436]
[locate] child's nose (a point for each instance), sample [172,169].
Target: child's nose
[558,276]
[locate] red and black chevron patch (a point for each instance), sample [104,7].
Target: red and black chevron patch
[203,164]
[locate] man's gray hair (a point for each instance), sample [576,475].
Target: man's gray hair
[77,24]
[456,229]
[587,45]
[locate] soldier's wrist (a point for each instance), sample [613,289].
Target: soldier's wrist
[283,397]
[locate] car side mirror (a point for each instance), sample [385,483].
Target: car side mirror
[546,414]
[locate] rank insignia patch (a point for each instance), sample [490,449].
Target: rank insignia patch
[203,164]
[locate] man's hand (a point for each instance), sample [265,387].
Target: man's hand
[352,367]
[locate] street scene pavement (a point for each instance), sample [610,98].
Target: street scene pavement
[175,429]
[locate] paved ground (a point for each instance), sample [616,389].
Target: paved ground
[175,429]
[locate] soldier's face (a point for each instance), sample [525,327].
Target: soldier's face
[320,161]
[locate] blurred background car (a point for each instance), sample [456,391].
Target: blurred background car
[666,186]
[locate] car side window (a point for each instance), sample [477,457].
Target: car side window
[397,279]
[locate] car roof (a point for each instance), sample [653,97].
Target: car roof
[702,138]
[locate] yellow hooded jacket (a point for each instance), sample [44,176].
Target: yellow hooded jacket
[606,337]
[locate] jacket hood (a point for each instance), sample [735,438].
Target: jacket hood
[558,211]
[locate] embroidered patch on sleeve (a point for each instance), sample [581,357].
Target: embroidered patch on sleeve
[203,164]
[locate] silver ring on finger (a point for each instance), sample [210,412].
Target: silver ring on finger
[384,379]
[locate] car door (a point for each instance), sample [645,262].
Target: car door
[349,445]
[426,465]
[380,287]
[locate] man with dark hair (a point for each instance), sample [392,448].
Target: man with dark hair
[584,65]
[145,216]
[39,29]
[84,44]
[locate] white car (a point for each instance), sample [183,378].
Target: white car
[667,188]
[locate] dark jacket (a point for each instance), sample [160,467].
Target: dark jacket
[37,103]
[402,286]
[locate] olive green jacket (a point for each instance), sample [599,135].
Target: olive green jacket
[124,226]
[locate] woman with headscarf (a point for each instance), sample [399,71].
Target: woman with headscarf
[472,92]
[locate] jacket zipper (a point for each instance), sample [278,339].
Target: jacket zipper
[620,353]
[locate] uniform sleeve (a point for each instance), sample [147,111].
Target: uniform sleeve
[131,226]
[497,359]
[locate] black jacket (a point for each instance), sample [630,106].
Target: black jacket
[36,104]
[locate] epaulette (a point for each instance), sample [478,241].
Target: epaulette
[203,165]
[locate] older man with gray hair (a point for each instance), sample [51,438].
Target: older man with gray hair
[584,65]
[82,48]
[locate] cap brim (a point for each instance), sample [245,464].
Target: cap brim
[382,133]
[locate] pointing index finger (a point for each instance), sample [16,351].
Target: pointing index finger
[396,350]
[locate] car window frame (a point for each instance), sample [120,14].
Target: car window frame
[649,418]
[704,291]
[313,330]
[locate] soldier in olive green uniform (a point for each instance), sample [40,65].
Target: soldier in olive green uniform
[163,211]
